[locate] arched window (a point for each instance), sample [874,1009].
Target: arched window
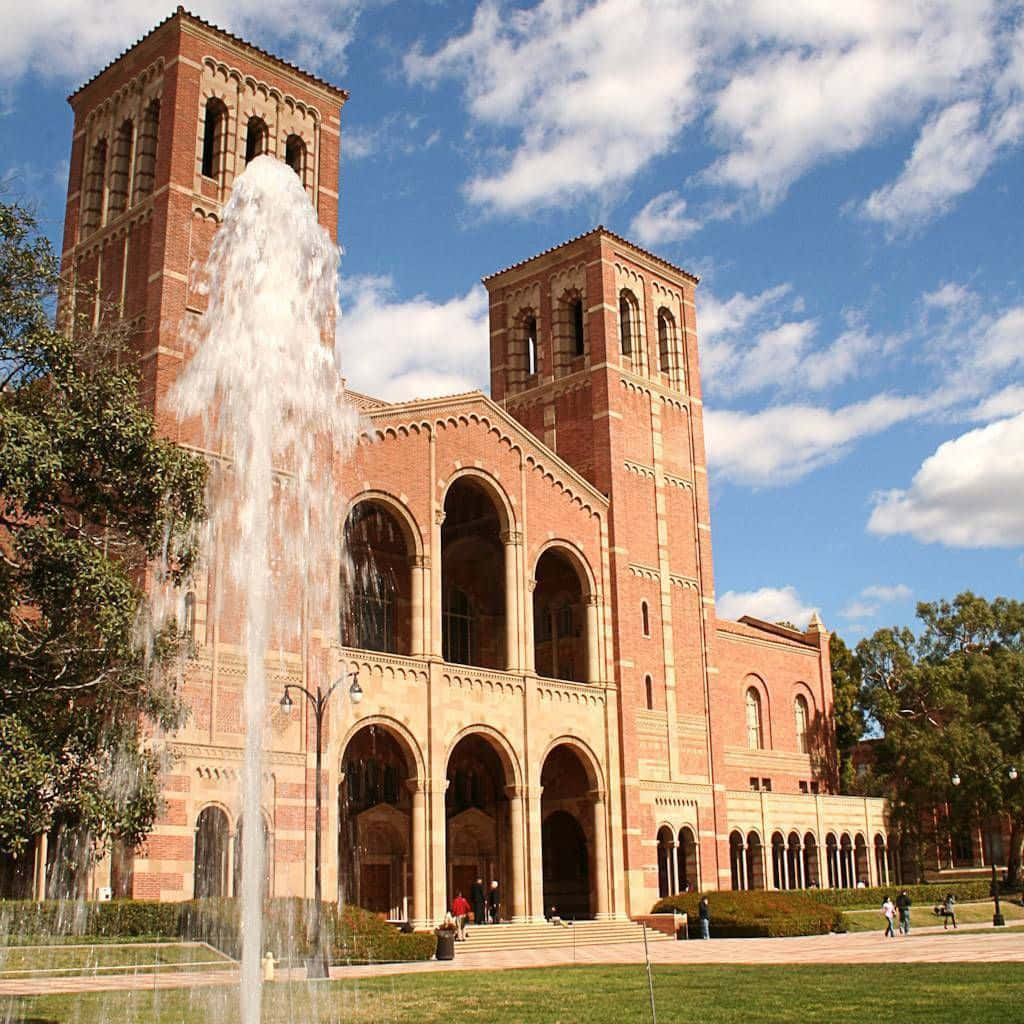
[145,152]
[120,169]
[215,131]
[576,319]
[666,340]
[626,323]
[92,200]
[531,345]
[755,734]
[457,626]
[801,716]
[645,615]
[649,692]
[295,156]
[255,138]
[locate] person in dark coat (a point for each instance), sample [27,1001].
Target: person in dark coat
[476,901]
[494,903]
[704,913]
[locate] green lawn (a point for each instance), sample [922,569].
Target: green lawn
[15,961]
[968,994]
[920,916]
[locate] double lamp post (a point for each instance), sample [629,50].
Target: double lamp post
[317,964]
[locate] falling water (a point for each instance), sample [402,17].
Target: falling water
[264,380]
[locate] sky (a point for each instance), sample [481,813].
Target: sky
[845,178]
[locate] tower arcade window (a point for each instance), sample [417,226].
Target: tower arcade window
[92,200]
[800,713]
[755,733]
[145,152]
[256,136]
[576,313]
[531,345]
[666,340]
[649,693]
[626,322]
[120,169]
[295,156]
[214,136]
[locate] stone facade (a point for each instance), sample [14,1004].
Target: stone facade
[549,697]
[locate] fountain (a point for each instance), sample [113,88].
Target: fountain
[264,382]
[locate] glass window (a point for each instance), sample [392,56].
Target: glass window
[800,713]
[755,735]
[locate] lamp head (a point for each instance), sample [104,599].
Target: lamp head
[955,779]
[1012,773]
[286,703]
[355,691]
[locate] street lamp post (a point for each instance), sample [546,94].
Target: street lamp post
[316,965]
[998,921]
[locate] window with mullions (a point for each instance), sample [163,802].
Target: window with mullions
[373,609]
[457,627]
[755,734]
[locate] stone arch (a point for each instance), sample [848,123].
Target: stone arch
[564,609]
[862,870]
[881,861]
[210,852]
[502,747]
[490,483]
[402,735]
[266,822]
[812,864]
[832,860]
[590,761]
[688,858]
[753,682]
[755,860]
[665,838]
[400,511]
[737,860]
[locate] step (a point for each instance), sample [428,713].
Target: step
[493,938]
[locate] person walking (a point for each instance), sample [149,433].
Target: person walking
[494,903]
[476,901]
[889,909]
[460,911]
[704,913]
[948,911]
[903,906]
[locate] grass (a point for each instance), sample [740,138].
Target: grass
[842,994]
[922,916]
[108,958]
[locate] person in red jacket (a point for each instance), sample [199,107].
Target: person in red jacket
[460,911]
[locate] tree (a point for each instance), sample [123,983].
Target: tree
[847,712]
[951,702]
[90,498]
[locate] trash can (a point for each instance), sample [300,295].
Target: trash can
[445,944]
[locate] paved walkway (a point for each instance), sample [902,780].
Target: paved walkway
[970,944]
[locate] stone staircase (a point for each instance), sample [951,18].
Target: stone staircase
[495,938]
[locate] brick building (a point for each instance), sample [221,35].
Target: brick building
[550,698]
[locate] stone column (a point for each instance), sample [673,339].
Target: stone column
[512,540]
[594,673]
[517,839]
[419,853]
[436,602]
[419,567]
[601,855]
[743,864]
[673,871]
[535,901]
[229,882]
[530,652]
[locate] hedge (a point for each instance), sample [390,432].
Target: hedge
[756,914]
[923,895]
[351,934]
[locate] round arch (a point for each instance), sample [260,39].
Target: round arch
[401,512]
[400,733]
[591,764]
[752,681]
[502,747]
[575,556]
[489,483]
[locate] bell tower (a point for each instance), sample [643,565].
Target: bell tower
[159,136]
[593,348]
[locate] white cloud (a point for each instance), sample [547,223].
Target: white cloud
[663,219]
[859,610]
[773,604]
[1007,402]
[71,39]
[778,445]
[950,156]
[880,592]
[969,493]
[411,349]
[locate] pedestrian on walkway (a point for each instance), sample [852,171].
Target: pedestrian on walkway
[476,901]
[494,903]
[460,910]
[889,909]
[903,906]
[948,911]
[704,912]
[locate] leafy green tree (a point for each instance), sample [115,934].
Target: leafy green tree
[90,500]
[848,714]
[951,702]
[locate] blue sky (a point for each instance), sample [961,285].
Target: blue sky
[845,178]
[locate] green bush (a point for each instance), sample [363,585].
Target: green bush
[756,914]
[350,934]
[920,895]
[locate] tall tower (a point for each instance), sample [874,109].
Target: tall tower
[159,136]
[594,349]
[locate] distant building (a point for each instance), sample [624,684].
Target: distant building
[550,698]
